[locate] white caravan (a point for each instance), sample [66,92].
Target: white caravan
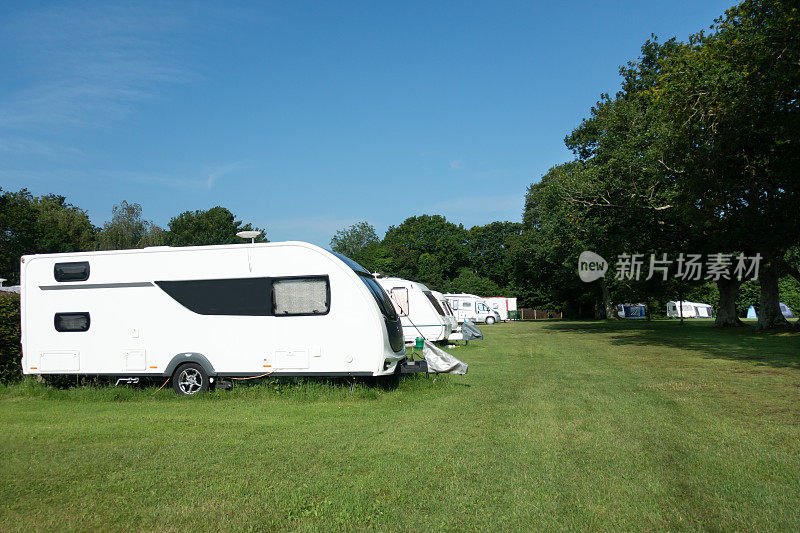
[471,307]
[502,305]
[450,318]
[196,314]
[420,312]
[690,310]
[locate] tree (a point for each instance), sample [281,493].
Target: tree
[729,100]
[18,223]
[214,226]
[62,226]
[354,240]
[426,248]
[544,256]
[127,229]
[487,250]
[37,225]
[469,282]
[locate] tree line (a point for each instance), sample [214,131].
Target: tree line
[697,154]
[49,224]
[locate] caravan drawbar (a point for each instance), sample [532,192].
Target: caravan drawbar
[196,314]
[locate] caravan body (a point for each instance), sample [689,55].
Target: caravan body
[690,310]
[288,308]
[420,312]
[502,306]
[471,307]
[450,318]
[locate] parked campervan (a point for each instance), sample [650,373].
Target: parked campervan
[502,305]
[471,307]
[689,309]
[205,313]
[420,312]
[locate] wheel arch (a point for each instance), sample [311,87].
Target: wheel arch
[190,357]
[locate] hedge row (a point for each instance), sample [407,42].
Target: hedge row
[10,348]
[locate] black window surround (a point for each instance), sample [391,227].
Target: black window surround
[73,271]
[72,322]
[234,296]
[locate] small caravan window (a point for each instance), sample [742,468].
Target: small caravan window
[78,271]
[300,296]
[399,296]
[71,322]
[466,305]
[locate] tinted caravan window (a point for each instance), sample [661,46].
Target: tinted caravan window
[239,296]
[381,298]
[435,303]
[77,271]
[301,296]
[71,322]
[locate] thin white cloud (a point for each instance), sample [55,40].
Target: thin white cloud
[28,146]
[224,170]
[85,65]
[456,165]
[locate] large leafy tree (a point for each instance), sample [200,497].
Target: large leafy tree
[127,229]
[730,101]
[353,241]
[45,224]
[426,248]
[18,224]
[487,250]
[213,226]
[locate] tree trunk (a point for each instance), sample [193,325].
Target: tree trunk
[796,275]
[769,315]
[611,313]
[726,309]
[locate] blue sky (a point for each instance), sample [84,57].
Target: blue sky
[303,117]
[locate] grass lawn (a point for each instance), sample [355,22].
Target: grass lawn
[570,425]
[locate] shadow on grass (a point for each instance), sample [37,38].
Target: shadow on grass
[777,349]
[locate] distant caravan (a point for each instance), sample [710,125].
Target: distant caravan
[421,312]
[206,313]
[689,310]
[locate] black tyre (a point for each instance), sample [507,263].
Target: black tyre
[190,379]
[489,320]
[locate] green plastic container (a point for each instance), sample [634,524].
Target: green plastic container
[420,342]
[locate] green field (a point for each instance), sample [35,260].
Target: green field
[567,425]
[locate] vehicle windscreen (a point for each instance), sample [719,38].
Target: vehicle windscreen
[381,298]
[435,303]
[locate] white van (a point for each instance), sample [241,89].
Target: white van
[471,307]
[420,312]
[502,305]
[196,314]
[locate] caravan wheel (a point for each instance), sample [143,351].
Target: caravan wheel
[189,379]
[489,320]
